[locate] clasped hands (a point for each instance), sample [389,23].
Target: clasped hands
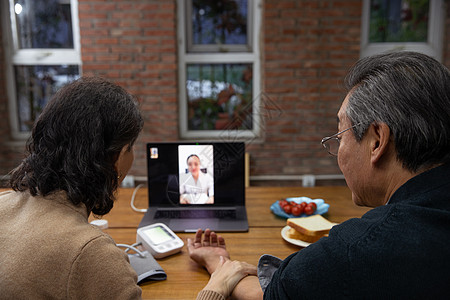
[209,251]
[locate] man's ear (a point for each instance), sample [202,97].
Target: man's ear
[380,139]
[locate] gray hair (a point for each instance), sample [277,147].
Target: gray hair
[410,92]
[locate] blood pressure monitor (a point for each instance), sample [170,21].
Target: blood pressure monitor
[159,240]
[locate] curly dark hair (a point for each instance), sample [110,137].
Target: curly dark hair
[75,142]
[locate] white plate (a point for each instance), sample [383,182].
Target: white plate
[292,241]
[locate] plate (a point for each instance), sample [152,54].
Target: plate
[322,207]
[292,241]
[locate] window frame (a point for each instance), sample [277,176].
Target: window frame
[190,47]
[249,57]
[433,47]
[30,57]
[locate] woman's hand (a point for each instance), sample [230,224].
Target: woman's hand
[227,275]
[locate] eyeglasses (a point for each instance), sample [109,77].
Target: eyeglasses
[331,143]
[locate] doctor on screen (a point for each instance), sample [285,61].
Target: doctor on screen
[196,187]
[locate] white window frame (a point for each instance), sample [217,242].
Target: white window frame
[16,56]
[219,48]
[433,47]
[250,57]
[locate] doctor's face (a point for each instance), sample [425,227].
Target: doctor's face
[194,165]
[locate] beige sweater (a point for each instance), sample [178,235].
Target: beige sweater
[209,295]
[48,250]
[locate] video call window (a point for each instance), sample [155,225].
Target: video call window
[196,174]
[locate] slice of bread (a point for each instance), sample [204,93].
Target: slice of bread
[311,226]
[294,234]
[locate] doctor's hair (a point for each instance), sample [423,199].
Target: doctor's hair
[410,92]
[76,141]
[192,155]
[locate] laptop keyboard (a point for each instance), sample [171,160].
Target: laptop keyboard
[196,214]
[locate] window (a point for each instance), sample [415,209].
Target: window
[43,55]
[218,58]
[403,24]
[219,26]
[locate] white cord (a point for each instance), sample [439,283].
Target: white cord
[5,192]
[133,197]
[132,247]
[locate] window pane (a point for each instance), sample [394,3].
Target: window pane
[398,21]
[35,85]
[219,22]
[219,96]
[44,24]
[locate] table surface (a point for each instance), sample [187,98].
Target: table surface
[184,277]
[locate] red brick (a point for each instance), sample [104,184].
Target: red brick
[104,6]
[106,41]
[307,48]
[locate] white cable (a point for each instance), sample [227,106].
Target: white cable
[134,196]
[132,248]
[5,192]
[134,245]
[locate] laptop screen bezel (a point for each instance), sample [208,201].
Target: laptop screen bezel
[229,174]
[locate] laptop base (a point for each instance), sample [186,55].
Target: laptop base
[240,224]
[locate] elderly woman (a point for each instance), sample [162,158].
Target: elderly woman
[80,149]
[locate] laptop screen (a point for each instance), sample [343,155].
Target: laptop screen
[196,174]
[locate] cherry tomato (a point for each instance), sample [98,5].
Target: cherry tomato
[303,204]
[297,210]
[302,209]
[287,208]
[309,210]
[283,203]
[313,205]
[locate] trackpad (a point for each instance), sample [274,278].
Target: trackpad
[191,225]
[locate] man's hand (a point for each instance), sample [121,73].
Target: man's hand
[206,250]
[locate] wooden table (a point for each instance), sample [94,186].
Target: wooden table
[184,277]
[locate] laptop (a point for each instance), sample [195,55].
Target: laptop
[196,185]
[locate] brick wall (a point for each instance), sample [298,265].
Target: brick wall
[134,44]
[307,47]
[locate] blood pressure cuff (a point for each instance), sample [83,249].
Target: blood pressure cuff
[146,267]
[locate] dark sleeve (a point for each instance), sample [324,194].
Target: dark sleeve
[275,289]
[319,271]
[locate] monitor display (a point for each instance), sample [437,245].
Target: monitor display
[182,174]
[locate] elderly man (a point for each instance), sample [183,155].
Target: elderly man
[393,147]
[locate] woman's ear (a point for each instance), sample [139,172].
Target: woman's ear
[119,161]
[380,139]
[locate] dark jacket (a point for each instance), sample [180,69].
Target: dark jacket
[397,251]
